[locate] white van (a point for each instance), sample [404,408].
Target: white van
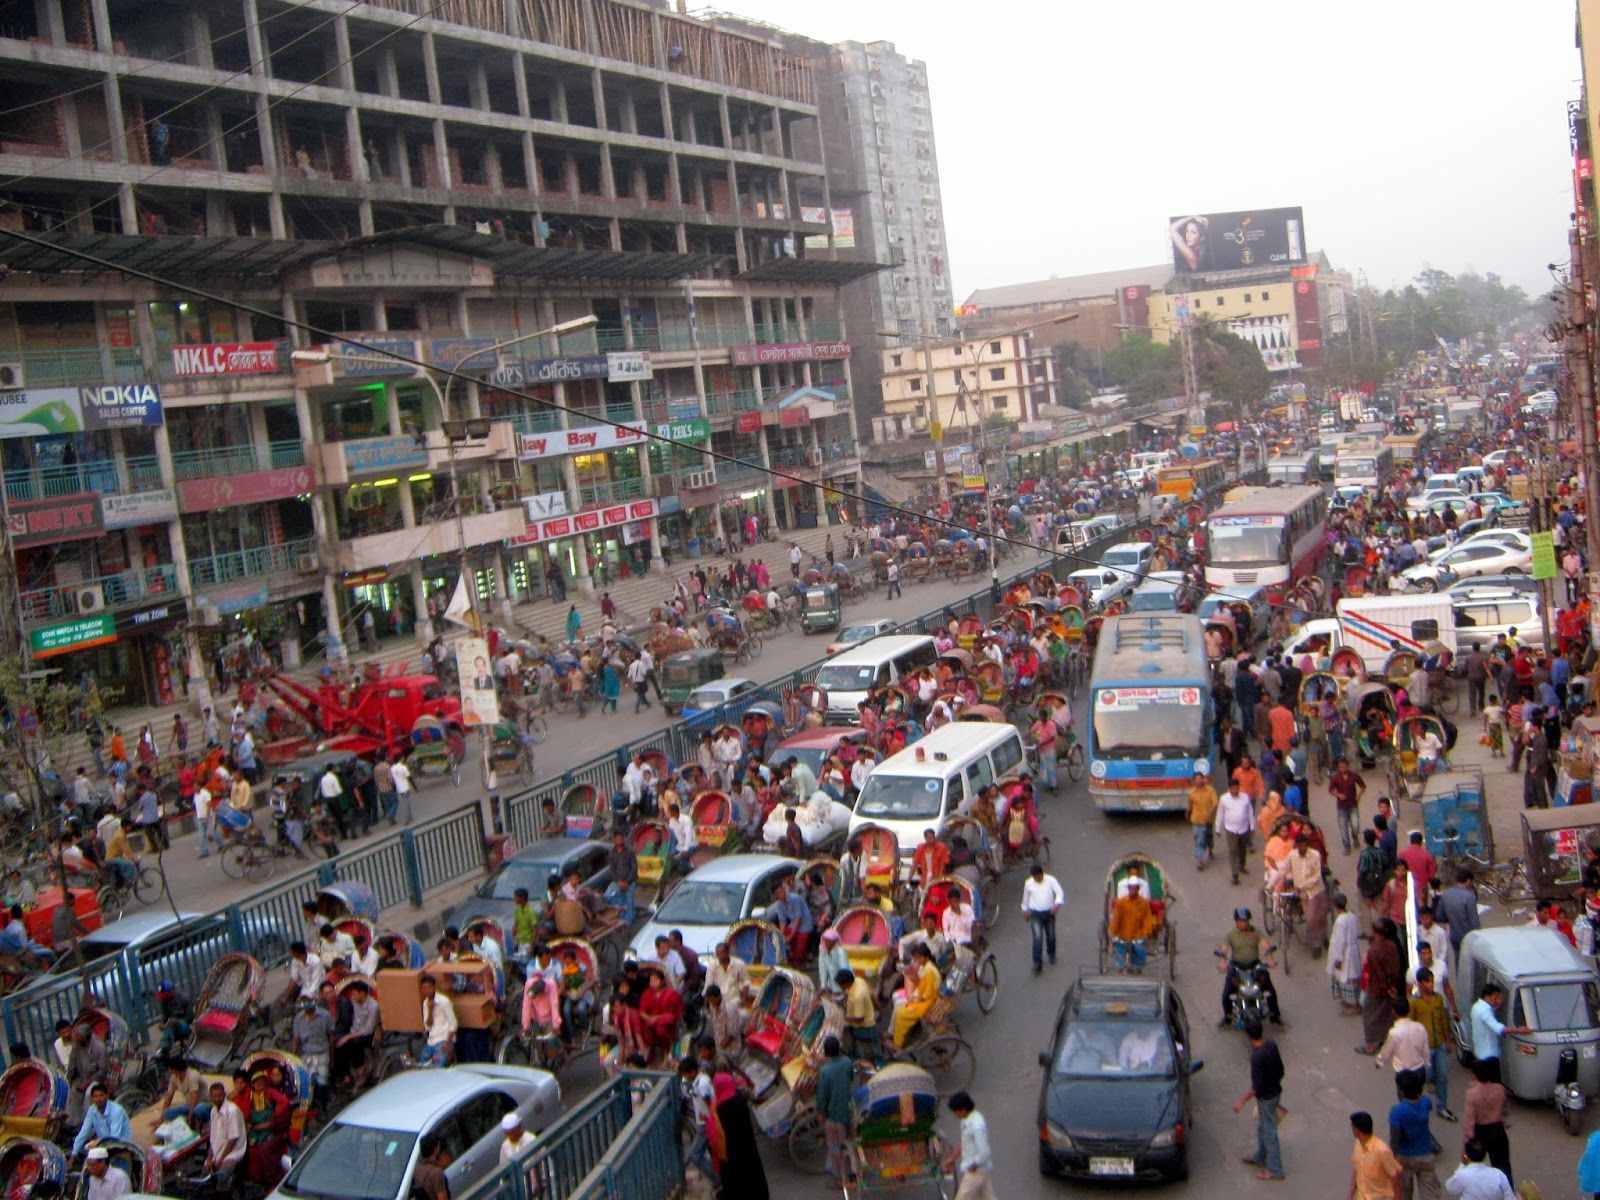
[938,777]
[1151,461]
[848,677]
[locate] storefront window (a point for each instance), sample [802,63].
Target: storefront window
[191,322]
[214,427]
[368,508]
[364,413]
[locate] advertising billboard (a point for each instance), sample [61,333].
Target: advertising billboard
[1235,241]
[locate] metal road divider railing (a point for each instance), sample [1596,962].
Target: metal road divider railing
[400,868]
[619,1141]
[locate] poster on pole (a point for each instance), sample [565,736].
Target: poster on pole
[480,706]
[1544,555]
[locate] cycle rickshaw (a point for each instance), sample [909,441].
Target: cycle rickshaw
[1162,943]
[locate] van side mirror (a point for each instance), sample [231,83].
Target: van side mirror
[1197,1066]
[1044,1060]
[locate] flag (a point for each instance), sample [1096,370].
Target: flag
[460,610]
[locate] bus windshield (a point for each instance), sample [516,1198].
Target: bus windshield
[1149,723]
[1357,468]
[1246,545]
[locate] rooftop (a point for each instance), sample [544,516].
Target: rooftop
[1069,288]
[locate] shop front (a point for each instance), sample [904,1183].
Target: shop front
[130,658]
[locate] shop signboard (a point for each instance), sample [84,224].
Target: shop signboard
[383,454]
[696,430]
[568,369]
[256,487]
[629,365]
[235,602]
[141,508]
[367,356]
[450,353]
[57,519]
[545,504]
[76,634]
[788,352]
[794,416]
[150,618]
[747,422]
[227,358]
[46,412]
[586,440]
[1544,555]
[684,408]
[591,520]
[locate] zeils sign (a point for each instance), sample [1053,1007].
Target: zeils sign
[785,352]
[589,521]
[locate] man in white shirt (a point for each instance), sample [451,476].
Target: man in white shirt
[438,1023]
[402,790]
[485,948]
[1236,819]
[226,1140]
[727,973]
[205,821]
[335,946]
[329,787]
[636,779]
[861,769]
[1477,1180]
[1042,899]
[681,827]
[305,974]
[1406,1047]
[639,680]
[517,1142]
[957,920]
[106,1182]
[672,961]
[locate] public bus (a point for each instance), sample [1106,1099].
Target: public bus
[1368,467]
[1268,538]
[1188,480]
[1150,713]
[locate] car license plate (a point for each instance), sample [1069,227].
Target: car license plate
[1150,805]
[1111,1166]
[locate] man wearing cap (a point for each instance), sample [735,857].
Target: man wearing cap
[517,1142]
[1243,950]
[226,1137]
[103,1119]
[831,959]
[1132,921]
[312,1040]
[106,1182]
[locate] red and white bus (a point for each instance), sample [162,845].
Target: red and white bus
[1267,538]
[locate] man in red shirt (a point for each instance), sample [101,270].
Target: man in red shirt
[1346,787]
[931,859]
[1420,863]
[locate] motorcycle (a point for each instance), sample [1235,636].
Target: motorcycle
[1248,1000]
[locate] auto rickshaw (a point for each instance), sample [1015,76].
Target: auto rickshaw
[1553,845]
[685,671]
[821,609]
[1549,988]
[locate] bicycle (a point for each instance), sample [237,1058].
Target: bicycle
[1073,758]
[1506,881]
[113,895]
[1281,911]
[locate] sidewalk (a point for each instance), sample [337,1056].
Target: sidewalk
[635,597]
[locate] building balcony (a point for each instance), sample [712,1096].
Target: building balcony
[825,331]
[126,589]
[614,492]
[113,477]
[794,456]
[79,368]
[249,564]
[773,335]
[237,460]
[726,404]
[402,545]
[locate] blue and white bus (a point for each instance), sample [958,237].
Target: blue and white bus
[1151,713]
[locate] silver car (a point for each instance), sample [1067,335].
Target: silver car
[369,1151]
[707,903]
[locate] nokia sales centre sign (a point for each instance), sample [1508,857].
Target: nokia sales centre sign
[47,412]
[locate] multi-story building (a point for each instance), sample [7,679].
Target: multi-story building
[1001,381]
[190,457]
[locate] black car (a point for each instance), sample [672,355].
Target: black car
[531,868]
[1115,1102]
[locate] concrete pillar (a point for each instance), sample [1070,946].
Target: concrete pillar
[199,25]
[388,72]
[422,627]
[479,85]
[441,152]
[430,69]
[48,14]
[69,126]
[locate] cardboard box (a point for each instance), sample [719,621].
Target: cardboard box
[400,998]
[470,987]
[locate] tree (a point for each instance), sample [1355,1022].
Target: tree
[1144,369]
[1228,367]
[1076,373]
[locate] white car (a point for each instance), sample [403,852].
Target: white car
[1103,586]
[1496,458]
[1461,562]
[1517,538]
[1132,558]
[863,631]
[1421,503]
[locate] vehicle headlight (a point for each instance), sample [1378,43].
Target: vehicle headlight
[1055,1137]
[1097,769]
[1167,1138]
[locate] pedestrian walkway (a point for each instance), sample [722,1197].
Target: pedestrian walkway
[634,597]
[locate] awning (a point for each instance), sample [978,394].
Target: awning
[519,260]
[810,270]
[162,255]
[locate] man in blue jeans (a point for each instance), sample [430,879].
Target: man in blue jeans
[1266,1089]
[1042,899]
[624,875]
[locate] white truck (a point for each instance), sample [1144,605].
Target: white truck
[1376,625]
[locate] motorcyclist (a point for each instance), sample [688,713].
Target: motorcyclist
[1243,950]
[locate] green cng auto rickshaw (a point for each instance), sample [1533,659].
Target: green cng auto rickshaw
[821,609]
[687,670]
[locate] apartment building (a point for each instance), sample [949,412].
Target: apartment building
[437,184]
[1001,382]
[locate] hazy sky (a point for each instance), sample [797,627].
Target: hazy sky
[1412,132]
